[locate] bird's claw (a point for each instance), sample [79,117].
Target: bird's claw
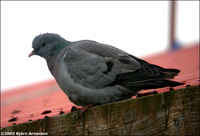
[82,110]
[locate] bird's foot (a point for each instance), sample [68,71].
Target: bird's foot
[146,94]
[82,110]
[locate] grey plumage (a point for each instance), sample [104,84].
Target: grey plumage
[93,73]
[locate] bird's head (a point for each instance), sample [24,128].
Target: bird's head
[47,45]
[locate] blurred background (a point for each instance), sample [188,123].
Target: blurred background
[140,28]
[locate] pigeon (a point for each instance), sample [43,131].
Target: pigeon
[92,73]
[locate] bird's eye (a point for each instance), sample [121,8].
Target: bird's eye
[43,44]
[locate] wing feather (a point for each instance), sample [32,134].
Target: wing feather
[96,65]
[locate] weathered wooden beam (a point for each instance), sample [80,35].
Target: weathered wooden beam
[170,113]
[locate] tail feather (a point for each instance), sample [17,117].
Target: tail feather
[170,73]
[151,84]
[150,76]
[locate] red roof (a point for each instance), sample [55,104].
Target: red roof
[42,99]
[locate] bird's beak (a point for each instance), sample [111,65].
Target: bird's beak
[32,53]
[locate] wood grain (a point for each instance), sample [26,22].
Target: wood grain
[170,113]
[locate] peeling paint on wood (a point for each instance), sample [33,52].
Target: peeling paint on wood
[171,113]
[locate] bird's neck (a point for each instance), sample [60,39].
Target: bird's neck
[57,49]
[54,61]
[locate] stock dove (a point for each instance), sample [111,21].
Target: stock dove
[94,73]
